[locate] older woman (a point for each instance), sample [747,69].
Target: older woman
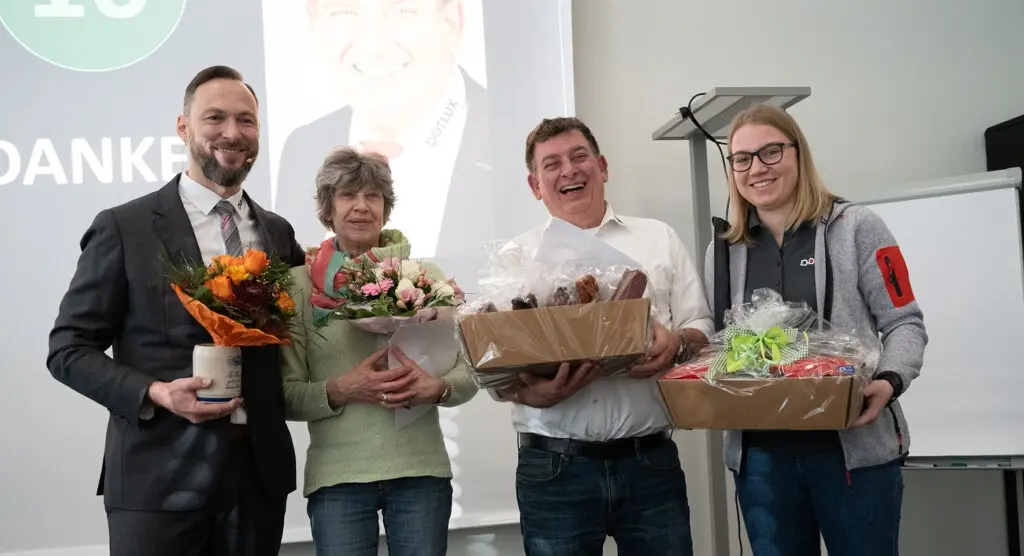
[358,462]
[787,232]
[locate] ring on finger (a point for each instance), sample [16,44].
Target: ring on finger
[384,397]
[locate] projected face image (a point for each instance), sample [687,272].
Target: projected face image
[390,59]
[569,177]
[222,131]
[402,78]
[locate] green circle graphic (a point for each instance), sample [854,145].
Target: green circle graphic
[91,35]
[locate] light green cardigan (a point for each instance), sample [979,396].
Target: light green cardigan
[357,442]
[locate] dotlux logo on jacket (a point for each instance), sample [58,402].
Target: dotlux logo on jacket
[807,262]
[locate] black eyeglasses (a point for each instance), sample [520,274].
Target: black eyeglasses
[769,154]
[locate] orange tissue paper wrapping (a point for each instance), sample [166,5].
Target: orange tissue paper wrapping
[224,330]
[241,301]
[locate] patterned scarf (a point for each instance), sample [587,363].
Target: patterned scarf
[324,264]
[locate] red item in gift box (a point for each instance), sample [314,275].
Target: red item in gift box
[816,367]
[689,371]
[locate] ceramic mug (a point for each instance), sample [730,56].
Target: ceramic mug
[223,366]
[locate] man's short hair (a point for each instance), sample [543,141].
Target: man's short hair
[209,74]
[346,169]
[549,128]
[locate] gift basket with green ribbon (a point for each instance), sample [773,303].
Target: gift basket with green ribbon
[772,338]
[757,353]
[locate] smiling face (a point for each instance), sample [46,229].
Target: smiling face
[768,186]
[391,59]
[358,218]
[569,177]
[222,131]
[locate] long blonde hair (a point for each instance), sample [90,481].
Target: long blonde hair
[813,199]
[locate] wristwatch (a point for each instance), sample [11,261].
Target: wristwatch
[684,349]
[447,394]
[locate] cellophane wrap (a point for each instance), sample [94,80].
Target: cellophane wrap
[529,315]
[772,338]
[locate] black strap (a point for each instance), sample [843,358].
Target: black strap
[722,285]
[826,311]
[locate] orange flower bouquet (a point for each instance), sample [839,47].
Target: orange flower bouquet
[241,302]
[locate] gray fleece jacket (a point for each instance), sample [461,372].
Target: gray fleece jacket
[853,240]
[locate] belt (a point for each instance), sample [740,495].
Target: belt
[611,449]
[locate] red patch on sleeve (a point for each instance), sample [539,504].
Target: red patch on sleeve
[895,275]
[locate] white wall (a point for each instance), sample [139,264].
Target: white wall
[901,91]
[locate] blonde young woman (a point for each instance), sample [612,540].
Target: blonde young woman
[787,232]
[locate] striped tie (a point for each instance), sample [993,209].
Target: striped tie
[232,241]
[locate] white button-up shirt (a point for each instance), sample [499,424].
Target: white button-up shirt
[623,407]
[199,203]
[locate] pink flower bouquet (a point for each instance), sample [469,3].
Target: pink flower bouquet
[381,296]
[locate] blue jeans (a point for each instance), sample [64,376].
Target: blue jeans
[416,512]
[569,504]
[789,499]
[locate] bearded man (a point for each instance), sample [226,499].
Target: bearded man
[179,477]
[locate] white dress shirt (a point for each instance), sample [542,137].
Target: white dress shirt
[422,173]
[622,407]
[199,203]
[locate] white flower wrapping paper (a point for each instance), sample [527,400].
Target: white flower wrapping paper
[433,347]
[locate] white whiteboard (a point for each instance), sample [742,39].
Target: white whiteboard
[962,243]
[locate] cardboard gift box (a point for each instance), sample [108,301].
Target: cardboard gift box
[803,403]
[614,333]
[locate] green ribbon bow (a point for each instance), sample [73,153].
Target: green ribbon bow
[756,351]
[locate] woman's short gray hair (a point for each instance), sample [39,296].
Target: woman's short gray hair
[346,169]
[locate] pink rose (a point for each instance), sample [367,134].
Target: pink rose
[412,297]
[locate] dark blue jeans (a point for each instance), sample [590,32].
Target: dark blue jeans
[789,499]
[569,504]
[416,512]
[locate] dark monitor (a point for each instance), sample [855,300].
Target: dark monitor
[1004,145]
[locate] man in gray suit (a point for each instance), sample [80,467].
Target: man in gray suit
[178,478]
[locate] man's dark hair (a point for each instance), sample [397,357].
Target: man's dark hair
[209,74]
[549,128]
